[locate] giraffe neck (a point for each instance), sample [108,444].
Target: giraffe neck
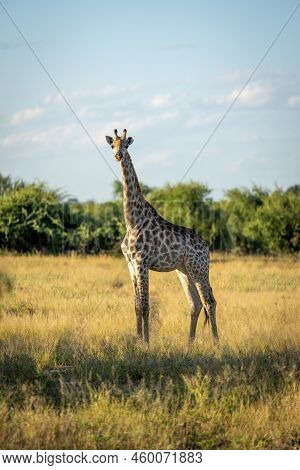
[133,200]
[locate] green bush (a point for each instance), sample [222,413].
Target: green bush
[261,221]
[279,222]
[93,227]
[31,219]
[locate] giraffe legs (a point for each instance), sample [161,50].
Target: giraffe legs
[194,301]
[195,282]
[138,313]
[209,302]
[140,280]
[143,297]
[200,276]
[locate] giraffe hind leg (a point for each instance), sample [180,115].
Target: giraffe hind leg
[209,302]
[194,302]
[200,276]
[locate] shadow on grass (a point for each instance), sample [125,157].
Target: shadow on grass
[266,370]
[126,367]
[17,369]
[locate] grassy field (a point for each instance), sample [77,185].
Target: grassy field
[73,376]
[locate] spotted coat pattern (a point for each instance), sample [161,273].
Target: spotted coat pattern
[156,244]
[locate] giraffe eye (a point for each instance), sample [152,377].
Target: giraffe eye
[112,146]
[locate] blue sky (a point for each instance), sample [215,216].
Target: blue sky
[166,71]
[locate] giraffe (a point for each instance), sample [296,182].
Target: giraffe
[152,243]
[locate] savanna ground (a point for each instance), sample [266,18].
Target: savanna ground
[73,376]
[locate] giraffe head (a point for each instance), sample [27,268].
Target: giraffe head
[119,144]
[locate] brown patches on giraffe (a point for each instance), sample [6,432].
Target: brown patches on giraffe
[153,243]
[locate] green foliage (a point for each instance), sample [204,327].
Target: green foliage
[262,221]
[183,203]
[31,219]
[279,222]
[36,218]
[242,205]
[93,227]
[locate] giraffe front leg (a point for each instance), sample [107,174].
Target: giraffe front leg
[139,321]
[142,276]
[138,312]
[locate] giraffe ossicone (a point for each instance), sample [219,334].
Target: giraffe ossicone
[153,243]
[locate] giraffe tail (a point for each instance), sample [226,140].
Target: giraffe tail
[206,319]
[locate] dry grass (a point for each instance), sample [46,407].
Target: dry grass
[73,376]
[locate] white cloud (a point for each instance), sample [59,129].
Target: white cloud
[26,114]
[159,101]
[163,101]
[55,135]
[256,94]
[108,90]
[54,99]
[22,138]
[294,101]
[278,89]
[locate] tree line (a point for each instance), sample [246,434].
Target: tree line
[36,218]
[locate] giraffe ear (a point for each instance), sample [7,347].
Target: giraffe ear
[109,140]
[130,140]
